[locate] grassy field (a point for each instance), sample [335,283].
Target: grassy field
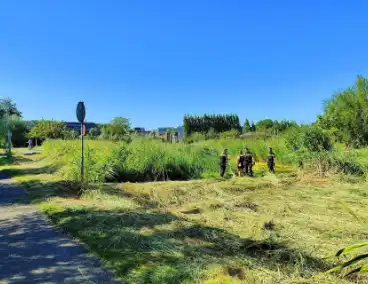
[270,229]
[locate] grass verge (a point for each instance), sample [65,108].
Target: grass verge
[270,229]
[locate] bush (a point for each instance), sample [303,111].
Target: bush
[232,134]
[308,138]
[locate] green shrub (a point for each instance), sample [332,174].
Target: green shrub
[308,138]
[231,134]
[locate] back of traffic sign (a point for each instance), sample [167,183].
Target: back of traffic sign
[81,112]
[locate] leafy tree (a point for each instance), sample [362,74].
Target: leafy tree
[308,138]
[264,124]
[19,129]
[246,127]
[203,124]
[48,129]
[10,117]
[347,111]
[9,108]
[117,129]
[283,125]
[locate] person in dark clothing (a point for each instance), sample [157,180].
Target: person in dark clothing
[249,162]
[223,162]
[240,163]
[271,161]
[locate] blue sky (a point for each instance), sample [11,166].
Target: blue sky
[154,61]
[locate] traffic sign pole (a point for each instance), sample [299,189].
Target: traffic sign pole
[82,157]
[81,115]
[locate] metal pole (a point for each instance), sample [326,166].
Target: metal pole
[82,157]
[9,139]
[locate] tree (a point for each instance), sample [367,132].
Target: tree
[264,124]
[253,127]
[19,129]
[203,124]
[10,117]
[307,138]
[117,129]
[246,127]
[9,108]
[48,129]
[347,111]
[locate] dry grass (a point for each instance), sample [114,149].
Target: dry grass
[270,229]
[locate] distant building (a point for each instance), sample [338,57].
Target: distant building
[161,131]
[139,130]
[76,126]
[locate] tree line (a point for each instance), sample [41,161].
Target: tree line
[210,126]
[269,125]
[206,123]
[344,119]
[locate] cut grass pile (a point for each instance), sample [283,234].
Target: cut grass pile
[271,229]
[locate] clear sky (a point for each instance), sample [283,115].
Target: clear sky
[154,61]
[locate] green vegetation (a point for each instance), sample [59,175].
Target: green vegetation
[245,230]
[190,226]
[346,114]
[116,130]
[206,123]
[51,129]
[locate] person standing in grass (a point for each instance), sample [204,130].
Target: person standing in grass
[249,162]
[223,162]
[271,161]
[30,144]
[240,163]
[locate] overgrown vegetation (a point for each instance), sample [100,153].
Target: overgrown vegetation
[140,160]
[346,114]
[263,230]
[271,229]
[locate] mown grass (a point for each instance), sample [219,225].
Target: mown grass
[269,229]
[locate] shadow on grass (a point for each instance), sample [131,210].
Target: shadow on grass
[5,160]
[14,172]
[39,191]
[143,246]
[142,199]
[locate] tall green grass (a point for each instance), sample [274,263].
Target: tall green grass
[140,160]
[258,146]
[151,160]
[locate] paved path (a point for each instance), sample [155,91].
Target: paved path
[32,251]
